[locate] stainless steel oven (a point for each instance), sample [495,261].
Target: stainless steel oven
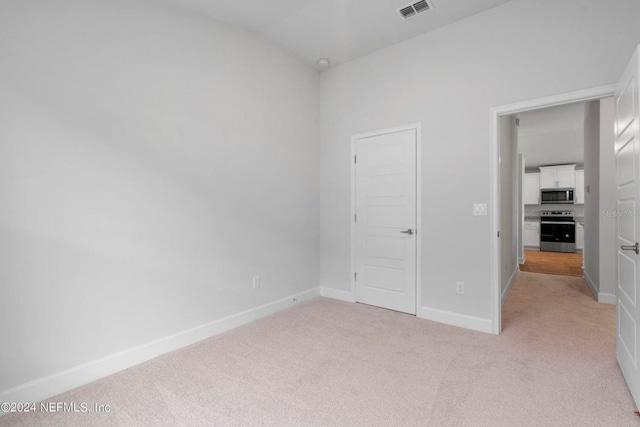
[557,231]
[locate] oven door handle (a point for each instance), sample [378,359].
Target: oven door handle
[558,222]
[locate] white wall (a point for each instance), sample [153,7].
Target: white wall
[151,162]
[592,193]
[508,200]
[448,80]
[552,136]
[608,202]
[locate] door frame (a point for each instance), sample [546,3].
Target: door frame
[418,128]
[495,193]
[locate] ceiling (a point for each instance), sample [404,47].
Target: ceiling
[340,30]
[552,136]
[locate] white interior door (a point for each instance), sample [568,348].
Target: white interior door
[385,223]
[627,170]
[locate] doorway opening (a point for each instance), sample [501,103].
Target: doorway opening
[558,146]
[508,219]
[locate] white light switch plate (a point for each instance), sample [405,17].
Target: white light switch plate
[480,209]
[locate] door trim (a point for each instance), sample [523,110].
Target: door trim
[494,196]
[418,128]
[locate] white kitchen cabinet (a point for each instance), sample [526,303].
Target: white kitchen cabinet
[531,234]
[558,176]
[531,190]
[579,237]
[579,187]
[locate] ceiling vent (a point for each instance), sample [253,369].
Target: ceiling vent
[414,8]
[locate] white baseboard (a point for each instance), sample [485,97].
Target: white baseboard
[512,280]
[61,382]
[590,283]
[605,298]
[457,319]
[522,260]
[337,294]
[601,297]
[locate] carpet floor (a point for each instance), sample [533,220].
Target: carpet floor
[330,363]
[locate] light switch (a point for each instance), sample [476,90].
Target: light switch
[480,209]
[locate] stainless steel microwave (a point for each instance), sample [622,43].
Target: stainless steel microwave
[557,195]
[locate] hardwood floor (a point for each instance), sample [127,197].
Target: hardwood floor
[552,263]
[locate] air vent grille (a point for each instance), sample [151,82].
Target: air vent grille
[407,12]
[414,8]
[421,6]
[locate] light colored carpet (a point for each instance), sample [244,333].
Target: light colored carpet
[333,363]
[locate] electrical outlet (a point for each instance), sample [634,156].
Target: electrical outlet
[460,288]
[256,282]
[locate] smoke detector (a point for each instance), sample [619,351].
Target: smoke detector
[324,63]
[412,9]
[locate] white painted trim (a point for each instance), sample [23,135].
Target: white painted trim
[512,280]
[601,297]
[337,294]
[590,283]
[494,197]
[419,230]
[605,298]
[522,260]
[69,379]
[494,224]
[456,319]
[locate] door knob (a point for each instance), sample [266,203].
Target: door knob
[409,232]
[635,248]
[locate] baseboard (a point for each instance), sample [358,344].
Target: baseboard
[61,382]
[605,298]
[592,286]
[522,260]
[512,280]
[337,294]
[457,319]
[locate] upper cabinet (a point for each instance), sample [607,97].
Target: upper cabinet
[580,187]
[558,176]
[531,189]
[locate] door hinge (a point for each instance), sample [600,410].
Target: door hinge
[355,217]
[498,234]
[355,159]
[355,276]
[518,122]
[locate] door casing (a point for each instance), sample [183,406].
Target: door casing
[418,129]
